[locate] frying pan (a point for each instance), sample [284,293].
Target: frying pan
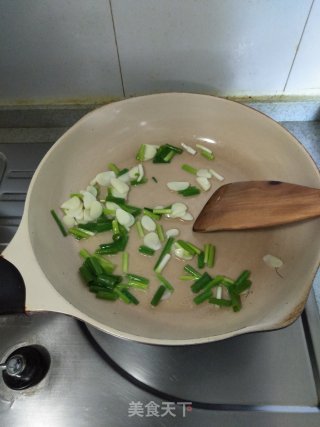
[38,270]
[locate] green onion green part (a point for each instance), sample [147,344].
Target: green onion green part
[114,168]
[200,298]
[190,169]
[58,222]
[139,229]
[160,232]
[125,262]
[166,250]
[200,260]
[220,302]
[207,155]
[189,247]
[84,253]
[199,284]
[137,278]
[141,153]
[189,269]
[130,296]
[115,227]
[190,191]
[145,250]
[158,295]
[186,278]
[165,282]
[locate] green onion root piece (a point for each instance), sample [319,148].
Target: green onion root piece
[201,260]
[220,302]
[160,232]
[166,250]
[165,282]
[190,169]
[137,278]
[200,298]
[145,250]
[130,296]
[125,262]
[189,247]
[141,153]
[158,295]
[207,155]
[189,269]
[190,191]
[199,284]
[58,222]
[114,168]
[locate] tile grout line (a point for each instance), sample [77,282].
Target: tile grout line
[117,47]
[298,47]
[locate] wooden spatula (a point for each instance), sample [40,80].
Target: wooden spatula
[257,204]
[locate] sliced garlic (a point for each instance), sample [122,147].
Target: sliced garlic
[120,186]
[178,210]
[112,206]
[272,261]
[95,210]
[178,185]
[103,178]
[68,221]
[72,203]
[91,189]
[88,199]
[152,241]
[204,183]
[148,223]
[187,217]
[150,151]
[173,232]
[124,218]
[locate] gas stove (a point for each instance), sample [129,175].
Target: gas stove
[84,377]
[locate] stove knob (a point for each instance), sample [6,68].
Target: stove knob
[25,367]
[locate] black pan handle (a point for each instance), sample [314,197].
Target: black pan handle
[12,289]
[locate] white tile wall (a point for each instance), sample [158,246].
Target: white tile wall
[227,47]
[305,74]
[57,50]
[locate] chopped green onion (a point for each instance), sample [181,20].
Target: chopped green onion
[190,191]
[160,232]
[94,266]
[190,169]
[207,155]
[122,171]
[149,212]
[84,253]
[186,278]
[169,156]
[244,286]
[242,278]
[166,250]
[163,263]
[227,282]
[115,227]
[86,274]
[214,282]
[189,247]
[143,180]
[199,284]
[174,148]
[137,278]
[155,179]
[206,252]
[220,302]
[141,153]
[200,298]
[108,280]
[145,250]
[105,263]
[139,229]
[114,168]
[165,282]
[125,262]
[137,285]
[165,153]
[211,256]
[58,222]
[235,299]
[80,233]
[158,295]
[201,260]
[162,211]
[111,296]
[189,269]
[122,296]
[130,297]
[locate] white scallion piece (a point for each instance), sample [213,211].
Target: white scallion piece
[150,151]
[203,148]
[91,189]
[204,173]
[163,263]
[216,175]
[72,203]
[148,223]
[141,172]
[88,199]
[120,186]
[218,295]
[95,210]
[173,232]
[124,217]
[204,183]
[272,261]
[187,217]
[134,172]
[167,294]
[178,185]
[188,149]
[68,221]
[103,178]
[152,241]
[178,210]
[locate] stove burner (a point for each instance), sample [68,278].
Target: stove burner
[25,367]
